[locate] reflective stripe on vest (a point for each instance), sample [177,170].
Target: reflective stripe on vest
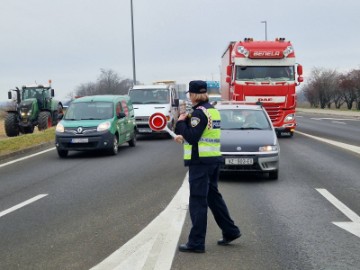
[209,143]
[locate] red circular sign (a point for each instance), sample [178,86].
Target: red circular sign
[157,121]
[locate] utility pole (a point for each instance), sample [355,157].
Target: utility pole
[133,43]
[265,22]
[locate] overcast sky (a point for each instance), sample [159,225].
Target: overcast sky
[69,41]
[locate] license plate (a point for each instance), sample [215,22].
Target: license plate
[239,161]
[145,130]
[80,140]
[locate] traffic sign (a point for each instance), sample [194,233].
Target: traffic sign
[158,122]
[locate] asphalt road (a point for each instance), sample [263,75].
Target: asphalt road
[94,204]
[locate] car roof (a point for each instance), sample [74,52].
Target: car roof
[223,105]
[151,86]
[107,98]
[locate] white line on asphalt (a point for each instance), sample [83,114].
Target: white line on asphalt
[154,247]
[335,119]
[7,211]
[353,226]
[23,158]
[349,147]
[338,122]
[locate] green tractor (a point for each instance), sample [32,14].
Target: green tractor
[35,106]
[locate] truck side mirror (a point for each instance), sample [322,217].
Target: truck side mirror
[300,79]
[299,70]
[228,70]
[228,79]
[9,95]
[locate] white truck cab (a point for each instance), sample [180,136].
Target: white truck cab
[149,99]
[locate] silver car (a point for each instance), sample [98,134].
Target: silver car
[248,139]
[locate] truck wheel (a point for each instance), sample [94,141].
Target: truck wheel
[44,120]
[62,153]
[11,125]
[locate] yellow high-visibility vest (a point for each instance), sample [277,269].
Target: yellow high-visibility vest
[209,143]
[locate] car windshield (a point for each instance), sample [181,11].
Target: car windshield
[90,111]
[149,96]
[265,73]
[243,119]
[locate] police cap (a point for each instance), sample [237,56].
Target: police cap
[197,87]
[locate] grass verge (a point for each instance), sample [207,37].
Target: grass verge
[13,144]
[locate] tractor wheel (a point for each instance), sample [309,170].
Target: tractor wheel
[44,120]
[11,125]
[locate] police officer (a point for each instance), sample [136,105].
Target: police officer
[200,135]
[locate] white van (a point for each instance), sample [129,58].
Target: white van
[149,99]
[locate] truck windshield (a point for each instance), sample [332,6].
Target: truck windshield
[90,111]
[149,96]
[265,73]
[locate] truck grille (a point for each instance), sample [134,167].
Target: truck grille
[275,112]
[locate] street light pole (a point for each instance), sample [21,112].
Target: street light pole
[133,43]
[265,22]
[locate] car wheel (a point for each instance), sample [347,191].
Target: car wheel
[62,153]
[274,175]
[114,149]
[132,142]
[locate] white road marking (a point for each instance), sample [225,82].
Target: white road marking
[7,211]
[349,147]
[338,122]
[335,119]
[154,247]
[23,158]
[353,226]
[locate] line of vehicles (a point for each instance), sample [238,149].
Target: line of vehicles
[258,78]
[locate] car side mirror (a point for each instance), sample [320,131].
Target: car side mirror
[176,102]
[9,95]
[121,115]
[60,116]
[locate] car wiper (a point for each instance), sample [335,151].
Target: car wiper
[250,128]
[91,118]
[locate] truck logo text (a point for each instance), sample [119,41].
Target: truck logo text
[266,54]
[265,99]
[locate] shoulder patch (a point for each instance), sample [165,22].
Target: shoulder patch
[194,121]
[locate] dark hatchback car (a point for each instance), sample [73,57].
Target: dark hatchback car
[248,139]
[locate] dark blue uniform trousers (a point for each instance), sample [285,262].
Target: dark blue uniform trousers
[203,180]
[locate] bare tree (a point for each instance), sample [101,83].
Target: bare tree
[108,83]
[348,90]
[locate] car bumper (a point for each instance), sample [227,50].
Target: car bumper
[261,163]
[100,140]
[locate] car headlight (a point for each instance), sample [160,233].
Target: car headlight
[103,126]
[60,128]
[268,148]
[289,117]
